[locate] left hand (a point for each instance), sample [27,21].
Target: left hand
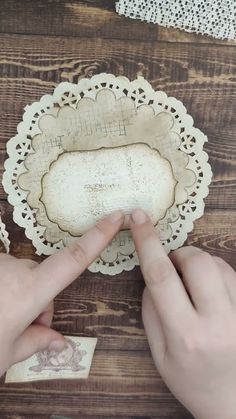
[28,289]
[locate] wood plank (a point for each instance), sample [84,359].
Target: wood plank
[123,381]
[91,18]
[83,405]
[202,77]
[71,18]
[17,416]
[177,35]
[85,416]
[120,382]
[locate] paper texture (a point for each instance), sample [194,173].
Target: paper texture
[74,362]
[96,183]
[106,144]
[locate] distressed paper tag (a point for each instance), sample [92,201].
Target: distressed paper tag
[74,362]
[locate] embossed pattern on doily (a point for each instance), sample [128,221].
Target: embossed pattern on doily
[105,112]
[216,18]
[4,235]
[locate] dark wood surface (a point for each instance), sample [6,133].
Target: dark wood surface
[43,43]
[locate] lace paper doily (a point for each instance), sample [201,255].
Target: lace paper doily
[216,18]
[4,236]
[103,144]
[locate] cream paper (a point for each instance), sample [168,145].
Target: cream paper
[106,143]
[74,362]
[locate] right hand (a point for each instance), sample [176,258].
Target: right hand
[189,314]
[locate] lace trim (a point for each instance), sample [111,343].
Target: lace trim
[214,18]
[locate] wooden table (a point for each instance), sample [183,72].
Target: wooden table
[42,43]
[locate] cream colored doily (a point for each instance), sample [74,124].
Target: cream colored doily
[103,144]
[4,236]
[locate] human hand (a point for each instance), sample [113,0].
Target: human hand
[189,314]
[27,289]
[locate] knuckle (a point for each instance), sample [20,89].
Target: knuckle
[184,253]
[212,337]
[78,254]
[193,342]
[101,229]
[33,263]
[205,258]
[193,339]
[222,327]
[186,250]
[200,259]
[158,271]
[193,248]
[29,263]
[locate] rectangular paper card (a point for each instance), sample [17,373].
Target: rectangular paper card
[73,362]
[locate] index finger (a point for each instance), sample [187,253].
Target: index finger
[62,268]
[165,286]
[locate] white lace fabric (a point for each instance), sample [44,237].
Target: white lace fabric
[207,17]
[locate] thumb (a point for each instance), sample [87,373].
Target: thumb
[37,338]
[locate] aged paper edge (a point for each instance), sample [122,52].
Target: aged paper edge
[17,373]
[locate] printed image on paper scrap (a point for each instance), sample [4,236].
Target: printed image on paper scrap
[74,362]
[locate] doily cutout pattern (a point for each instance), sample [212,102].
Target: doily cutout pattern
[214,18]
[178,139]
[4,236]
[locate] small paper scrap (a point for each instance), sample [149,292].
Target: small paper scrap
[73,362]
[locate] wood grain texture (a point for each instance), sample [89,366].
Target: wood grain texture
[86,18]
[48,41]
[79,416]
[104,392]
[29,416]
[201,77]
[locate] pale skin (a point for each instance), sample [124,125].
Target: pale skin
[189,311]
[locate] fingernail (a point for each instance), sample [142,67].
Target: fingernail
[57,345]
[115,216]
[138,216]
